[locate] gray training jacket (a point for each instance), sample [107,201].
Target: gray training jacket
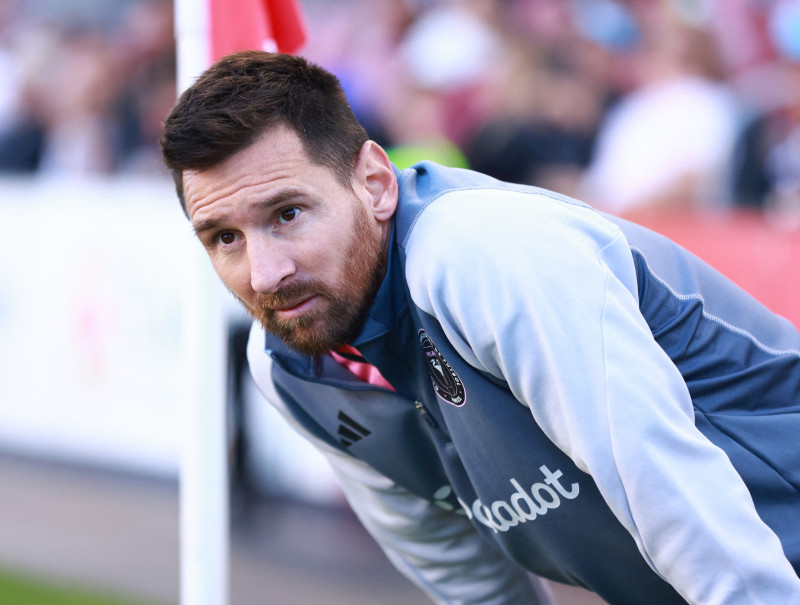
[576,396]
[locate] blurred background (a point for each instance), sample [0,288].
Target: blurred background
[681,114]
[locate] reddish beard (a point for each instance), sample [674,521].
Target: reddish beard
[320,330]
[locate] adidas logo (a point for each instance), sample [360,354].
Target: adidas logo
[349,430]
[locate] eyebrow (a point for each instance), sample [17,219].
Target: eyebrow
[281,197]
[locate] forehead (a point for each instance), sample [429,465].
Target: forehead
[276,159]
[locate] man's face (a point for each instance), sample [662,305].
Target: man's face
[302,253]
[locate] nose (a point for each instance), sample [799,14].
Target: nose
[270,264]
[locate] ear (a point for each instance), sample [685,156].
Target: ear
[374,179]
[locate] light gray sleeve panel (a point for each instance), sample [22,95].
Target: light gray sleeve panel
[723,302]
[542,294]
[435,549]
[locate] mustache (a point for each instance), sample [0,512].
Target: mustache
[289,294]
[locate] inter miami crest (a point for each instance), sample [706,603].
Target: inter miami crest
[446,382]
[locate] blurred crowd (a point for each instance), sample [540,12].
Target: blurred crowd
[628,104]
[84,85]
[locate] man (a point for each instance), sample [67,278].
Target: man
[503,379]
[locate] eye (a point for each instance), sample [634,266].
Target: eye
[287,215]
[226,238]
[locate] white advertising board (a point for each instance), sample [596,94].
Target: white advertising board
[91,281]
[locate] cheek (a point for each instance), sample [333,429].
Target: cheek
[337,266]
[235,274]
[317,258]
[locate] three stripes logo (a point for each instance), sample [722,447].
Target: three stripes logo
[350,431]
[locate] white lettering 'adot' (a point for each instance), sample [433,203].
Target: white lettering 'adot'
[523,505]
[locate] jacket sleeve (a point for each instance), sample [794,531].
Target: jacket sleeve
[438,551]
[534,301]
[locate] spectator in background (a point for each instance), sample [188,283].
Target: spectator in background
[145,52]
[435,98]
[8,68]
[23,47]
[549,93]
[85,96]
[767,167]
[78,121]
[668,143]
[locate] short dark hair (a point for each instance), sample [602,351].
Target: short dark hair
[244,95]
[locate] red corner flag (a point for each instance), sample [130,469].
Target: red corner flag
[275,25]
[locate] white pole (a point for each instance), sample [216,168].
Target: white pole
[203,473]
[193,46]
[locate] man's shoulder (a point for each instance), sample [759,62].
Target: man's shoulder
[425,182]
[457,207]
[457,198]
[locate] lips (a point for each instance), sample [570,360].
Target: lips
[294,308]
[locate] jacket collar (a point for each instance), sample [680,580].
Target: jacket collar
[389,300]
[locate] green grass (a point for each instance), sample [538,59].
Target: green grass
[22,590]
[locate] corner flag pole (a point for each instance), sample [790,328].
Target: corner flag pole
[204,534]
